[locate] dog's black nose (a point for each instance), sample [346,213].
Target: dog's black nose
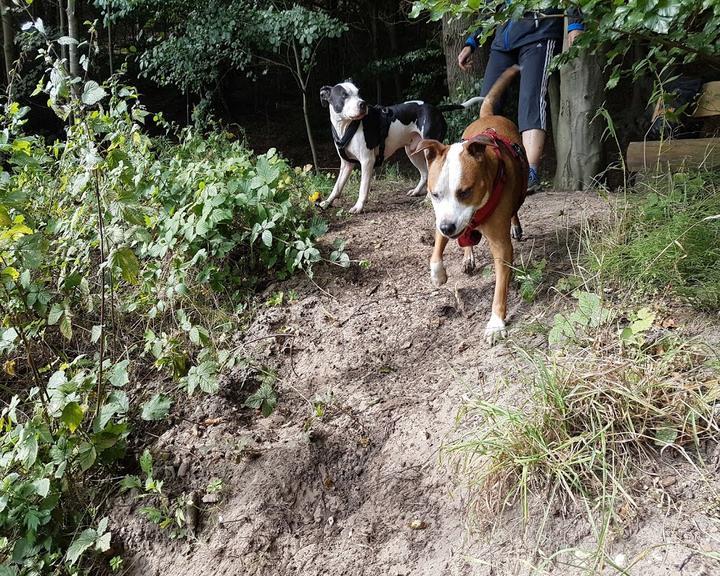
[447,228]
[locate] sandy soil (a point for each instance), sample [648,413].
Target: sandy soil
[366,488]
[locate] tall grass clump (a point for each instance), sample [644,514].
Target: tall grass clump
[611,395]
[664,239]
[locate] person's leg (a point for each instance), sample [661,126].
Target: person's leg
[497,64]
[532,105]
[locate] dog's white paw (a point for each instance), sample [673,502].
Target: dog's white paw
[323,205]
[438,274]
[356,209]
[469,262]
[417,192]
[495,330]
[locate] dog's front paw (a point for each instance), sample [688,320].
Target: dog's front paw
[516,232]
[495,330]
[417,192]
[438,274]
[356,209]
[469,261]
[325,204]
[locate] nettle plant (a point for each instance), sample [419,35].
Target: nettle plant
[121,257]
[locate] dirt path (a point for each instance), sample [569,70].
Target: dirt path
[362,490]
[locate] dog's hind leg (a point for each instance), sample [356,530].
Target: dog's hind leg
[420,163]
[366,171]
[346,169]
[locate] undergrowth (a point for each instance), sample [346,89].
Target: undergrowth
[613,392]
[664,239]
[127,265]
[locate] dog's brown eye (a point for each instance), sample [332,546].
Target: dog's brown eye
[434,194]
[464,194]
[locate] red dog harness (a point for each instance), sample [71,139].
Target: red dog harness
[471,236]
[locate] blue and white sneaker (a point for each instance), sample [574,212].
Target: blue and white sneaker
[534,184]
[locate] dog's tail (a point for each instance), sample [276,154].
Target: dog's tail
[464,106]
[488,105]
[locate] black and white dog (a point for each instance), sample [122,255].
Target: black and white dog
[367,135]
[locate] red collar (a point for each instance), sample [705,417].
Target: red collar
[471,236]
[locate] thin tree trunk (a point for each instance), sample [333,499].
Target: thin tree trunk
[63,29]
[306,112]
[110,43]
[72,24]
[8,43]
[455,31]
[375,52]
[578,137]
[392,35]
[311,139]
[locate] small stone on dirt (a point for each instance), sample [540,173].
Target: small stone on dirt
[418,525]
[211,499]
[183,468]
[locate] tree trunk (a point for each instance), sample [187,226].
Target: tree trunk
[578,143]
[8,43]
[455,32]
[63,29]
[375,52]
[72,24]
[311,139]
[392,35]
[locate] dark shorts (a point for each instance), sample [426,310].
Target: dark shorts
[534,59]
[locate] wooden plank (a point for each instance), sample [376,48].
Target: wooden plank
[709,101]
[655,155]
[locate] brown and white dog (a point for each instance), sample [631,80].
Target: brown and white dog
[479,184]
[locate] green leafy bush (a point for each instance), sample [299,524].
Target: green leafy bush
[124,259]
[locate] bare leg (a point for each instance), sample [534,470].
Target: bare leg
[437,268]
[502,252]
[346,169]
[366,171]
[421,164]
[534,142]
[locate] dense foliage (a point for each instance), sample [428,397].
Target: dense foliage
[673,31]
[123,257]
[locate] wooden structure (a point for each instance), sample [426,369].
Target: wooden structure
[699,152]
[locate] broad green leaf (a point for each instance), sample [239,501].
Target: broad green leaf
[85,540]
[5,219]
[66,326]
[41,487]
[118,374]
[92,93]
[264,399]
[72,416]
[156,408]
[86,456]
[55,313]
[125,259]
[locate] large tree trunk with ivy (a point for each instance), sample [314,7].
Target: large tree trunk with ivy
[8,41]
[578,143]
[455,31]
[73,32]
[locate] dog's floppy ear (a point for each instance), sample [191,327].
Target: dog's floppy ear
[432,149]
[325,96]
[476,147]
